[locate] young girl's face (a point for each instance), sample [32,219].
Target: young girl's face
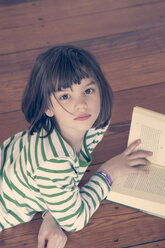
[76,108]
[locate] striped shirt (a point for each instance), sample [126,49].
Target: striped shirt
[38,174]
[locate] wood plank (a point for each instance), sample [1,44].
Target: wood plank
[117,220]
[137,67]
[113,218]
[107,49]
[73,29]
[135,72]
[59,9]
[24,235]
[156,243]
[128,39]
[11,123]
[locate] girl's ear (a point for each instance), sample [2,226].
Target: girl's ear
[49,113]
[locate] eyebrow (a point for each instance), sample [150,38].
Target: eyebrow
[86,85]
[90,83]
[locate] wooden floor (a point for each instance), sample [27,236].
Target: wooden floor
[128,39]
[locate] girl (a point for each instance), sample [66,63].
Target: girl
[68,104]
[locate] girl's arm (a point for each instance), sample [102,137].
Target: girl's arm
[51,234]
[72,206]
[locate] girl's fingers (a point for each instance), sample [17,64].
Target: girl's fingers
[139,161]
[139,170]
[130,151]
[132,147]
[139,154]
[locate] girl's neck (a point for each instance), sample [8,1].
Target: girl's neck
[74,139]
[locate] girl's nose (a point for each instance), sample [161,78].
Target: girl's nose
[80,103]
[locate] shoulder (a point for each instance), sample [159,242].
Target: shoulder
[16,140]
[94,136]
[96,133]
[53,149]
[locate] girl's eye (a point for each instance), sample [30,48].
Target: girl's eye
[64,97]
[89,91]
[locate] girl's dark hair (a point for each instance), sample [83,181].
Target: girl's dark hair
[61,67]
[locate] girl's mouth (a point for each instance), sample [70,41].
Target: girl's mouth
[82,117]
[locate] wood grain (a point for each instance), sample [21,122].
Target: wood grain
[128,39]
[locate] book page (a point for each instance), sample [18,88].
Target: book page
[145,191]
[149,126]
[149,187]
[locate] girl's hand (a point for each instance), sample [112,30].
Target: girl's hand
[127,162]
[51,234]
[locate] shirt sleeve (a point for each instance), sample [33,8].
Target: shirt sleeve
[70,205]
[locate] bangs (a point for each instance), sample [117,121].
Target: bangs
[67,69]
[69,76]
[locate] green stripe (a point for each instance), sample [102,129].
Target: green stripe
[26,197]
[73,230]
[3,203]
[55,195]
[81,173]
[84,164]
[11,156]
[25,155]
[89,195]
[47,186]
[90,188]
[60,202]
[29,154]
[16,203]
[97,183]
[90,149]
[80,213]
[89,207]
[20,145]
[84,155]
[7,181]
[5,154]
[27,185]
[55,171]
[48,179]
[23,205]
[93,142]
[31,213]
[24,133]
[2,147]
[86,149]
[36,150]
[42,148]
[2,227]
[15,171]
[57,161]
[9,211]
[52,147]
[16,217]
[53,186]
[86,219]
[93,135]
[62,144]
[64,210]
[103,178]
[79,210]
[70,225]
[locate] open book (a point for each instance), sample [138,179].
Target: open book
[145,192]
